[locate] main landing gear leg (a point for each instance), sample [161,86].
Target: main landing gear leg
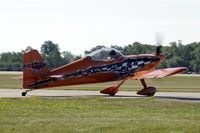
[25,92]
[147,91]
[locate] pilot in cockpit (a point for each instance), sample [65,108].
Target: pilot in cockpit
[112,54]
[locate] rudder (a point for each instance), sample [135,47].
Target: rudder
[34,69]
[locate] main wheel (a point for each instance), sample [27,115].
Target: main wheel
[149,91]
[112,94]
[24,93]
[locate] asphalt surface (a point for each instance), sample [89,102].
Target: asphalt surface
[11,72]
[178,96]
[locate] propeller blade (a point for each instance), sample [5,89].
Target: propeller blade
[159,38]
[158,49]
[159,41]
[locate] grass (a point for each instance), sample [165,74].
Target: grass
[171,84]
[10,81]
[97,115]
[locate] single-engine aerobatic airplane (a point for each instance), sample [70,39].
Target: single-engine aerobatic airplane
[103,65]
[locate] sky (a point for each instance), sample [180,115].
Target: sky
[78,25]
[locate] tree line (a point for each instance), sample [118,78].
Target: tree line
[13,61]
[176,54]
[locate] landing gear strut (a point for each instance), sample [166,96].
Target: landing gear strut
[25,92]
[147,91]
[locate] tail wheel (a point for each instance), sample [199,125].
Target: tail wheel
[24,93]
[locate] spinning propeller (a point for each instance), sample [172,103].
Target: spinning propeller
[159,41]
[158,49]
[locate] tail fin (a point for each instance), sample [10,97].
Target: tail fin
[34,69]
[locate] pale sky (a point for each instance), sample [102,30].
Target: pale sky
[78,25]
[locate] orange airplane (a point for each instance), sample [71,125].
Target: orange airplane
[103,65]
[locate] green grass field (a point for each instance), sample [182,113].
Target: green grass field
[174,83]
[97,114]
[89,115]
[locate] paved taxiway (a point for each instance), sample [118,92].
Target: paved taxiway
[179,96]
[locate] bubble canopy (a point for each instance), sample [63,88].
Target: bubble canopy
[105,54]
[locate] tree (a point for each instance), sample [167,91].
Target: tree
[176,53]
[138,48]
[196,61]
[11,61]
[68,57]
[50,52]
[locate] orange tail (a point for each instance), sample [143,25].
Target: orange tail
[34,69]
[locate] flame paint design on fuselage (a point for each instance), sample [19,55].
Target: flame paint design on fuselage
[127,67]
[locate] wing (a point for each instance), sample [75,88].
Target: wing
[160,73]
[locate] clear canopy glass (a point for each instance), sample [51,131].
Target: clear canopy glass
[105,54]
